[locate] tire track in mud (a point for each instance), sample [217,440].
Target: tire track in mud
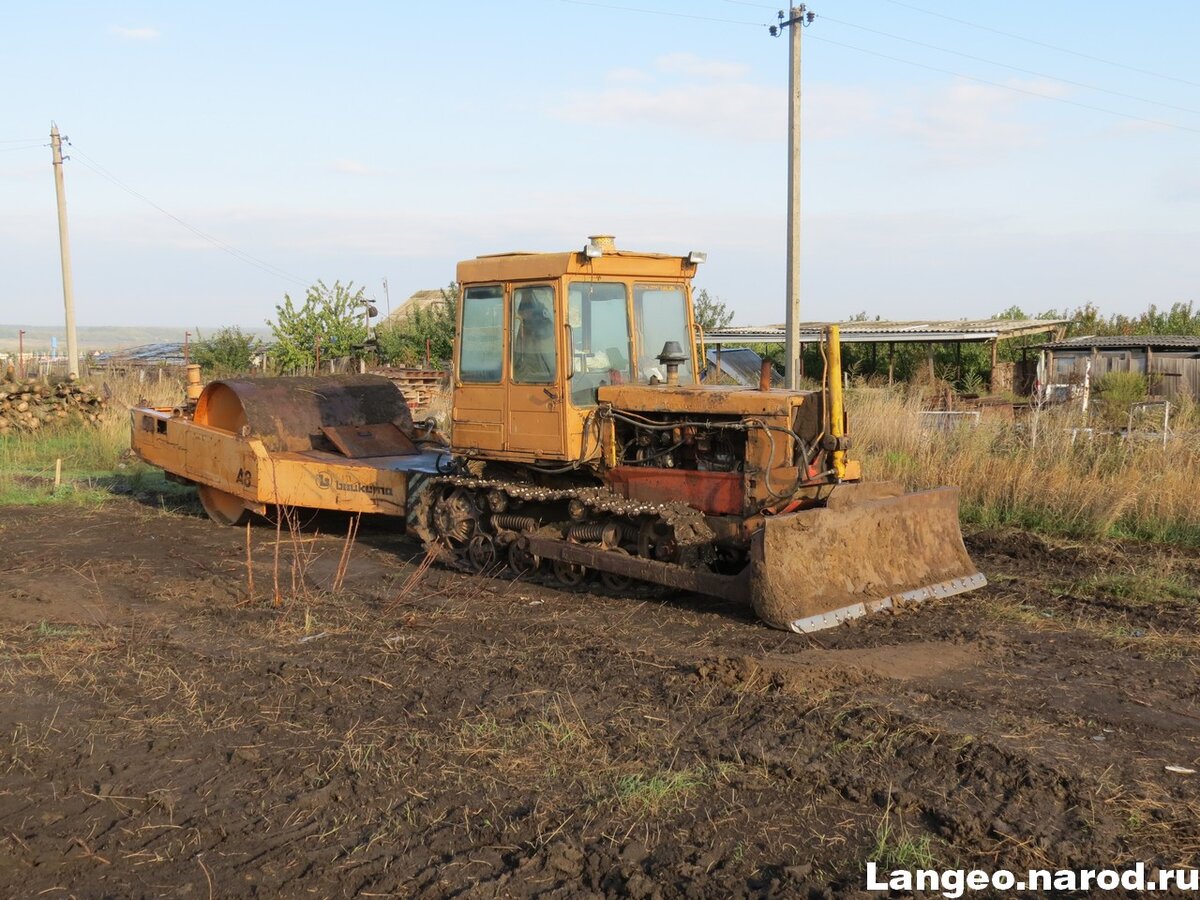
[496,740]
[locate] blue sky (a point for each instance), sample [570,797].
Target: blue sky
[369,140]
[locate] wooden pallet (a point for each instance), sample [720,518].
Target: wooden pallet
[419,386]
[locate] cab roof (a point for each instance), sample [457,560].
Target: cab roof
[614,263]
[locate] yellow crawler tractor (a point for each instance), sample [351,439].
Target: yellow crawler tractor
[583,444]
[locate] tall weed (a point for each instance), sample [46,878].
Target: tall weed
[1068,481]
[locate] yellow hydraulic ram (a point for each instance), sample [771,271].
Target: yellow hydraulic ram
[835,427]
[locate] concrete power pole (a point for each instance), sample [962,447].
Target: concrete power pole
[800,16]
[64,247]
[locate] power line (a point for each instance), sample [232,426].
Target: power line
[908,62]
[993,62]
[1009,87]
[1029,40]
[1009,34]
[1014,36]
[662,12]
[24,141]
[85,160]
[14,149]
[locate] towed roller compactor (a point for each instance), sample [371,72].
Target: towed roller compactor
[584,448]
[345,443]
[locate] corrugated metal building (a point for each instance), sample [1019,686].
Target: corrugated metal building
[890,333]
[164,353]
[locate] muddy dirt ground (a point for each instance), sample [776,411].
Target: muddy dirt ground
[164,732]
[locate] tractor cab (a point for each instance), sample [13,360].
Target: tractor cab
[540,333]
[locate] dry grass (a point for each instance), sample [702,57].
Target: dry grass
[1050,483]
[92,456]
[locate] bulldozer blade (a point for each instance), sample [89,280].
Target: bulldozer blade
[871,548]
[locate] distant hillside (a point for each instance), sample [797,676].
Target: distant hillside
[103,337]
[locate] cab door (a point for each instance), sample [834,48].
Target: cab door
[535,403]
[479,391]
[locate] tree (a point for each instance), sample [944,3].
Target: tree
[403,340]
[711,311]
[332,315]
[1013,313]
[1181,318]
[864,316]
[227,352]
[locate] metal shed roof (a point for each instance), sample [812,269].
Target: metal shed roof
[891,331]
[1181,342]
[169,353]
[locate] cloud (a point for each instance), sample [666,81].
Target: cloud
[685,92]
[690,65]
[627,74]
[960,123]
[832,112]
[135,34]
[1178,184]
[1139,127]
[733,109]
[736,111]
[691,94]
[966,123]
[24,173]
[354,167]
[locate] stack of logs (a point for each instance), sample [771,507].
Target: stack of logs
[28,404]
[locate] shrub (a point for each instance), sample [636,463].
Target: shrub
[227,352]
[402,340]
[1115,392]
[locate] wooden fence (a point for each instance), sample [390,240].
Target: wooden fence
[1170,374]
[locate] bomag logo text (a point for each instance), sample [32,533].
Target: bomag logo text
[376,490]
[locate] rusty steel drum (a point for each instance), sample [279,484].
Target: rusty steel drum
[288,414]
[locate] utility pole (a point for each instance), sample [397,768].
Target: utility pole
[387,298]
[798,19]
[64,248]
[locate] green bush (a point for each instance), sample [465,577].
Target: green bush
[1115,392]
[228,352]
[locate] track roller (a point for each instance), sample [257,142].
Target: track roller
[569,574]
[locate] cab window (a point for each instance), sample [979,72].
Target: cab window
[600,347]
[534,349]
[660,314]
[481,355]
